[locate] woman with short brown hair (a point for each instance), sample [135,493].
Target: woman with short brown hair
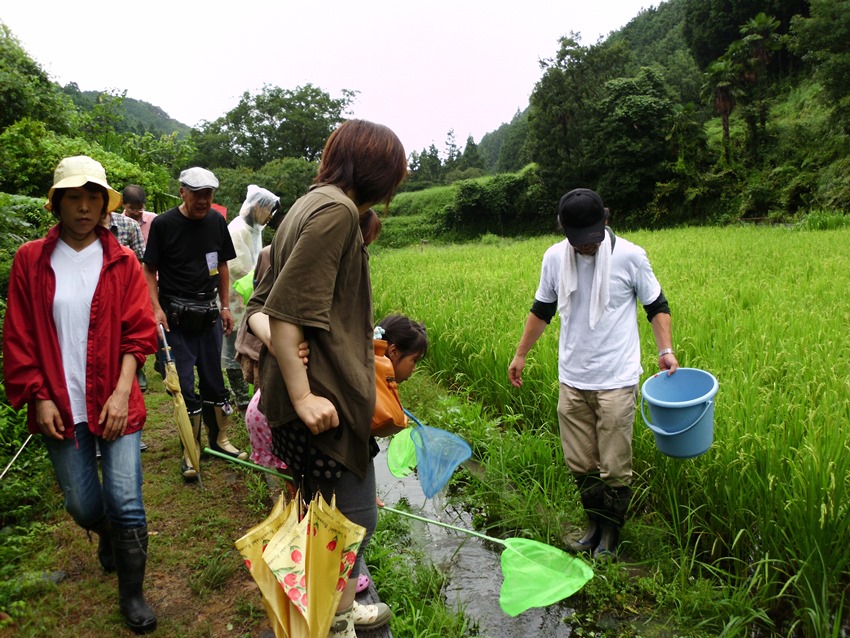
[318,290]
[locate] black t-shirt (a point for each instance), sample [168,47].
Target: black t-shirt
[186,252]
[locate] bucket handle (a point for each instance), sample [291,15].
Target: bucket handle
[657,430]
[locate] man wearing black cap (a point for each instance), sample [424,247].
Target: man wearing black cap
[186,270]
[593,279]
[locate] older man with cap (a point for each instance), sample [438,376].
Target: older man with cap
[593,280]
[186,270]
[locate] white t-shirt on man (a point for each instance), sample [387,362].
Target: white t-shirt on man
[607,357]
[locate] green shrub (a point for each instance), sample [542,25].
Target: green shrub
[505,204]
[429,202]
[824,220]
[21,219]
[29,154]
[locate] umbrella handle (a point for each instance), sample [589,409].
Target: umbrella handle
[442,524]
[166,348]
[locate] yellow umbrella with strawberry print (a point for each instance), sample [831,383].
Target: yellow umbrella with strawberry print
[251,547]
[311,559]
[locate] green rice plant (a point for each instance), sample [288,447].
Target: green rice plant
[765,310]
[824,220]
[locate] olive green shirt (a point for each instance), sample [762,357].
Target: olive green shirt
[319,279]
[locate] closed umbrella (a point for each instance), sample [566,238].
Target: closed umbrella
[181,415]
[251,547]
[312,559]
[301,557]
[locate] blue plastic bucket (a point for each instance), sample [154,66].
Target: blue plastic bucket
[682,409]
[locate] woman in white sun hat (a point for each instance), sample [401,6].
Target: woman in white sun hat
[79,322]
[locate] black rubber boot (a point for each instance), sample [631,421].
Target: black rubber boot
[616,507]
[216,422]
[609,539]
[238,387]
[103,529]
[131,553]
[591,490]
[190,473]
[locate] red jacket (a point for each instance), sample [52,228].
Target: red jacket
[121,323]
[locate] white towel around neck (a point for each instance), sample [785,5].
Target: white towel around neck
[569,282]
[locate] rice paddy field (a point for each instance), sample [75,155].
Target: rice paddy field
[751,538]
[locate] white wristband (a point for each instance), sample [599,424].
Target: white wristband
[661,353]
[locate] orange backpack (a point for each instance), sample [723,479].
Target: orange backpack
[388,411]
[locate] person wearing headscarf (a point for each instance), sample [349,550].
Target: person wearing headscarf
[246,233]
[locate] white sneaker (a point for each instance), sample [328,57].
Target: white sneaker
[370,616]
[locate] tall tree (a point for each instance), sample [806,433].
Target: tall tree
[273,124]
[754,53]
[514,152]
[561,113]
[470,158]
[823,41]
[722,92]
[631,152]
[453,152]
[26,91]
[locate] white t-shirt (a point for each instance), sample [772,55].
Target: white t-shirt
[607,357]
[77,274]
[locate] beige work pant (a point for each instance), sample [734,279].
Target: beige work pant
[596,431]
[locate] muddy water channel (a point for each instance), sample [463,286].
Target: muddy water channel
[472,567]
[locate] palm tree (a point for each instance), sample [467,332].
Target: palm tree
[722,90]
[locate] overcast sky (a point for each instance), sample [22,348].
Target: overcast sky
[421,68]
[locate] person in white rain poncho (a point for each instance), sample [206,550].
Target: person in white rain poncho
[246,233]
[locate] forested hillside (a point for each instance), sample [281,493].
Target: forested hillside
[697,111]
[132,116]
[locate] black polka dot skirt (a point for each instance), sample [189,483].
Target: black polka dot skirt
[292,444]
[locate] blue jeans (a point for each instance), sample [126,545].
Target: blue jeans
[86,499]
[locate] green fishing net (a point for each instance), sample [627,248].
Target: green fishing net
[401,454]
[537,575]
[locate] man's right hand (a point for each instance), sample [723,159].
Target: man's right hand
[160,318]
[515,370]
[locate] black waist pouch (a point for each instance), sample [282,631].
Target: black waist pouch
[192,315]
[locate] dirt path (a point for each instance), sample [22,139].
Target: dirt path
[196,581]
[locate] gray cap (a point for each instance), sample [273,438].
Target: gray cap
[197,178]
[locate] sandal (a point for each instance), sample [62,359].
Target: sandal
[362,583]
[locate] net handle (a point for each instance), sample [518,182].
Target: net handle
[442,524]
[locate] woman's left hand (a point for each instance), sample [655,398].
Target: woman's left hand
[113,416]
